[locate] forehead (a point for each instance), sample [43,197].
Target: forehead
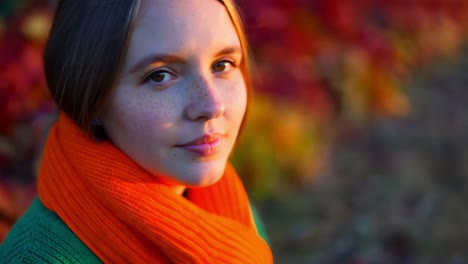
[182,25]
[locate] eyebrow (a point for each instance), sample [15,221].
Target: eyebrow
[168,58]
[152,58]
[229,50]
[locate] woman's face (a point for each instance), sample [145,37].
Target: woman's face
[181,96]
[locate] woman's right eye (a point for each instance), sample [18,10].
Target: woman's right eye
[159,77]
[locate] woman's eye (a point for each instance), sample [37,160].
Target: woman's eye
[222,66]
[159,77]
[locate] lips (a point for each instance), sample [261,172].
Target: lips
[206,145]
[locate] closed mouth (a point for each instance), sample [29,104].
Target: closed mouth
[206,145]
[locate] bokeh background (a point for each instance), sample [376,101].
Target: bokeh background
[356,145]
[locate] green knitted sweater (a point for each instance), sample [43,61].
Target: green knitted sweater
[40,237]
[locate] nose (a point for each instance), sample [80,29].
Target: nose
[205,101]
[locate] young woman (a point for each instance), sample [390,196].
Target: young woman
[152,95]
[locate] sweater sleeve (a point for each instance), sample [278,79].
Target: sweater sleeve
[40,236]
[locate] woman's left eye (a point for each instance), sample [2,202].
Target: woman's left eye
[222,66]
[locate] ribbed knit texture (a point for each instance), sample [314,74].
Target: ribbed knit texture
[124,215]
[40,236]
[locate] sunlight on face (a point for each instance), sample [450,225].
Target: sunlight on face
[181,98]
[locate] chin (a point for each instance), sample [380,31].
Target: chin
[204,176]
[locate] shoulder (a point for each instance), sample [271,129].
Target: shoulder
[40,236]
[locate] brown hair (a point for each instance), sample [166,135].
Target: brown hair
[86,50]
[236,19]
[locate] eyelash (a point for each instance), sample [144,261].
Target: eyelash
[151,74]
[232,64]
[148,77]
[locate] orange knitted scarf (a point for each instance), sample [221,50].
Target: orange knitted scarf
[125,215]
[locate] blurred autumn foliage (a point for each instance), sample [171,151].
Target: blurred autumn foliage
[22,86]
[350,55]
[327,63]
[324,70]
[24,103]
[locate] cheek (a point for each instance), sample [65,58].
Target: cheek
[238,100]
[146,110]
[137,114]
